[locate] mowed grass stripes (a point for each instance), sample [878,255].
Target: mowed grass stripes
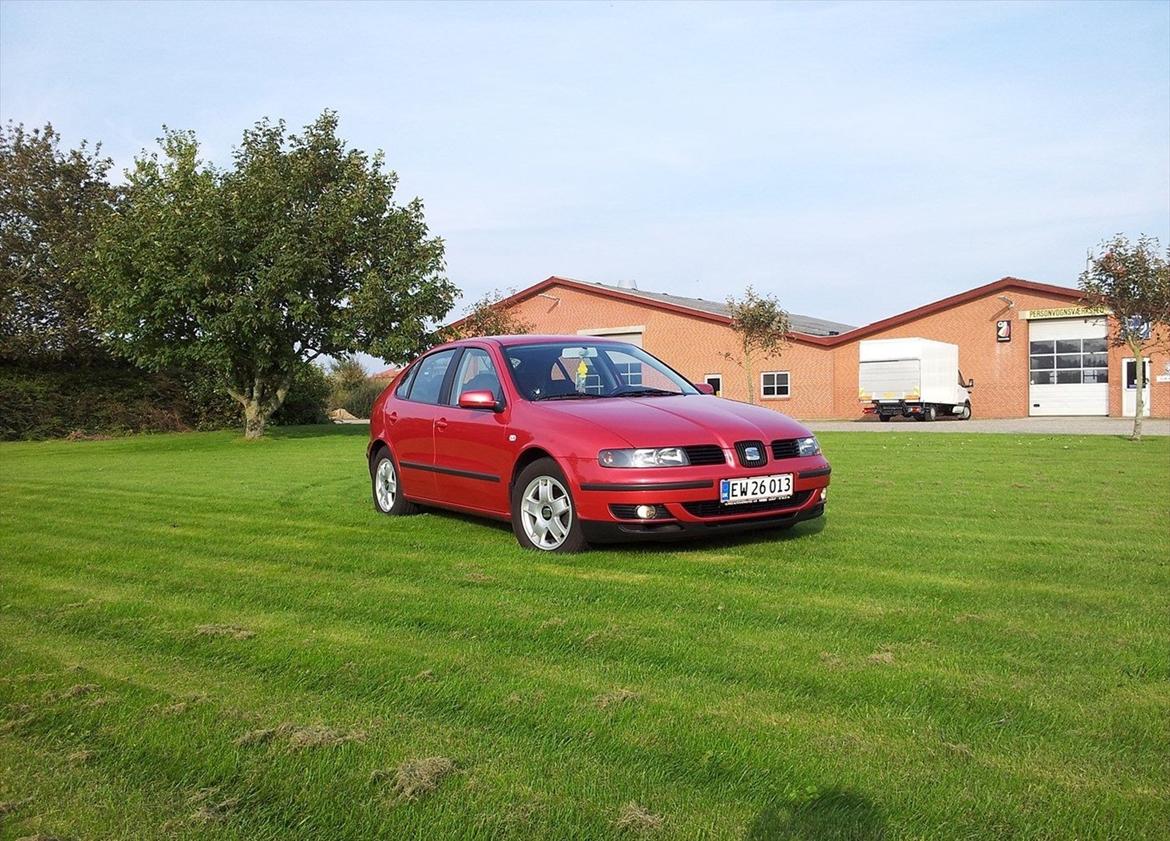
[205,638]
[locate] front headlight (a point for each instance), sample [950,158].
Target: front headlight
[649,457]
[808,446]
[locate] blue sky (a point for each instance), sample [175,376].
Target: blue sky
[855,159]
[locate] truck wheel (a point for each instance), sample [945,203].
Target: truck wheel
[966,413]
[884,418]
[928,413]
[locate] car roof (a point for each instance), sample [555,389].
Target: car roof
[537,339]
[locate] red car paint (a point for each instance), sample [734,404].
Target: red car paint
[467,459]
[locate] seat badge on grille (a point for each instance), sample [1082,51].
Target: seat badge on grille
[751,453]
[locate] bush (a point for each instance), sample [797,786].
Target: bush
[306,399]
[109,397]
[102,398]
[359,401]
[350,388]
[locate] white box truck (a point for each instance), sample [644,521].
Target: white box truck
[914,378]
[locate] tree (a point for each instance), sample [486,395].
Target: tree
[295,251]
[51,201]
[1132,281]
[762,328]
[487,317]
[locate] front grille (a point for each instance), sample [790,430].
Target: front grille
[741,449]
[630,512]
[785,449]
[706,454]
[715,508]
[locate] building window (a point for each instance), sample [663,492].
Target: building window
[715,381]
[774,384]
[1068,362]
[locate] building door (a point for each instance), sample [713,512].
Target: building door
[1129,387]
[630,335]
[1068,367]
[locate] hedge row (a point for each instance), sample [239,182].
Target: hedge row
[107,397]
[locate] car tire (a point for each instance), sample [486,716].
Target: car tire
[966,413]
[386,487]
[544,516]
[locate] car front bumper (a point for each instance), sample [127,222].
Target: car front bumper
[687,499]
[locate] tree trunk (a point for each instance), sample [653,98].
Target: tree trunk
[1140,382]
[259,400]
[751,381]
[254,420]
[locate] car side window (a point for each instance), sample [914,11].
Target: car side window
[404,387]
[476,373]
[428,381]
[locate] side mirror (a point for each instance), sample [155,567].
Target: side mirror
[479,400]
[970,383]
[704,388]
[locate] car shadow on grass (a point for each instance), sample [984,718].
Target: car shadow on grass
[799,531]
[833,815]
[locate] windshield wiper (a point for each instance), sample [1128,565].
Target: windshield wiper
[645,392]
[573,396]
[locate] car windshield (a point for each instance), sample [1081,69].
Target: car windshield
[586,370]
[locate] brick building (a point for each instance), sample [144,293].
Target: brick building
[1030,347]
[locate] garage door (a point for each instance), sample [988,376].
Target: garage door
[632,335]
[1068,367]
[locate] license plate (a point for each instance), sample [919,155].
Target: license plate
[755,488]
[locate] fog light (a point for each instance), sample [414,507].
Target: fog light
[824,494]
[646,512]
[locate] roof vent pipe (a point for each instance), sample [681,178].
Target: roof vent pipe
[627,284]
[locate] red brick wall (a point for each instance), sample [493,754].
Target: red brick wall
[824,380]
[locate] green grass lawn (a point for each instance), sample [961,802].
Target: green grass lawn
[205,638]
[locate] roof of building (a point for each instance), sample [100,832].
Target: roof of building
[816,331]
[800,323]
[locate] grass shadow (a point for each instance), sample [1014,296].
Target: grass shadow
[834,815]
[320,430]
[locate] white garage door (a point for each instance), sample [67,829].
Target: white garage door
[1068,367]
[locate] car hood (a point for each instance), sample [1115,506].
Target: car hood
[678,421]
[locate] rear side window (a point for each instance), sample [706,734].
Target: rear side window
[404,387]
[428,379]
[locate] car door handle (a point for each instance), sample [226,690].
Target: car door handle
[392,417]
[441,423]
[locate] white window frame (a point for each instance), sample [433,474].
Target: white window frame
[775,385]
[707,380]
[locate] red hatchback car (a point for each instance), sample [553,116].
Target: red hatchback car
[577,439]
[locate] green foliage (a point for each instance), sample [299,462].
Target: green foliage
[1132,281]
[957,651]
[307,398]
[107,397]
[762,326]
[486,317]
[351,388]
[297,250]
[51,200]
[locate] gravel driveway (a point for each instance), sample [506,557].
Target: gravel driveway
[1039,426]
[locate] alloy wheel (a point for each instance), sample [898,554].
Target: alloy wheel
[546,512]
[386,484]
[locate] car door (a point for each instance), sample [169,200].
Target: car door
[412,424]
[473,457]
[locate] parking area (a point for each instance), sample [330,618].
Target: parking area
[1039,426]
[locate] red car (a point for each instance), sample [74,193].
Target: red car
[578,440]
